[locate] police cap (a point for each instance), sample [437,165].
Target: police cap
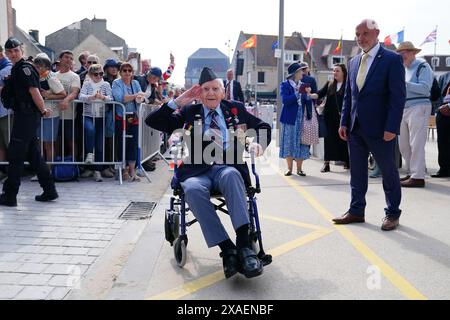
[12,43]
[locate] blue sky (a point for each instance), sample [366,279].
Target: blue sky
[157,28]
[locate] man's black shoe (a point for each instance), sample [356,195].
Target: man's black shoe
[47,196]
[230,262]
[8,201]
[251,266]
[441,174]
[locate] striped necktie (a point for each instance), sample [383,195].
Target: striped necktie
[228,91]
[217,135]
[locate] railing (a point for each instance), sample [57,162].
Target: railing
[63,139]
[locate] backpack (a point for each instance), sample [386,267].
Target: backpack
[435,92]
[65,172]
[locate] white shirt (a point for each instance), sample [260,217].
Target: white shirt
[372,54]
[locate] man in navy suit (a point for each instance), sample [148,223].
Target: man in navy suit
[371,116]
[215,164]
[233,89]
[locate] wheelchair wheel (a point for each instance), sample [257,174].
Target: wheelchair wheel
[180,252]
[168,228]
[372,162]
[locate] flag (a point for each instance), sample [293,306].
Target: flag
[338,48]
[399,37]
[250,43]
[275,45]
[431,37]
[310,45]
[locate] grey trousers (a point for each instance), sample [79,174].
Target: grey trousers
[228,181]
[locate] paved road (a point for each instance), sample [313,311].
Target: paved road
[313,258]
[77,248]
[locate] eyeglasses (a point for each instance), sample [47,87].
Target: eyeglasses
[97,74]
[92,62]
[127,70]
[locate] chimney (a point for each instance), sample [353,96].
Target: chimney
[34,34]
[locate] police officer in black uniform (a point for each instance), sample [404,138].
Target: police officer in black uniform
[25,99]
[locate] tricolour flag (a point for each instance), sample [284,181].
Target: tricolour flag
[431,37]
[399,37]
[338,48]
[310,45]
[250,43]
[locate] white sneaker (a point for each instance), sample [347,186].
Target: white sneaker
[34,179]
[98,176]
[90,158]
[87,174]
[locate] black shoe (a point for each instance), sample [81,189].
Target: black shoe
[47,196]
[230,262]
[326,168]
[441,174]
[288,174]
[301,174]
[8,201]
[251,266]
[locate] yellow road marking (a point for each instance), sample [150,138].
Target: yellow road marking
[393,276]
[211,279]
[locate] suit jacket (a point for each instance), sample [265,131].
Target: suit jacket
[380,103]
[191,118]
[290,104]
[238,95]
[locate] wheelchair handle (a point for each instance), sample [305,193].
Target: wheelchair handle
[258,185]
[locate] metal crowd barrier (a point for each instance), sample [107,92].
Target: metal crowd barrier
[103,110]
[150,140]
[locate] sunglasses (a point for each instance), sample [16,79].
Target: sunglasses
[127,70]
[92,62]
[96,74]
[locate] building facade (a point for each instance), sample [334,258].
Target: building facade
[205,57]
[439,63]
[6,20]
[90,33]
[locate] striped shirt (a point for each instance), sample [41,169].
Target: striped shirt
[90,88]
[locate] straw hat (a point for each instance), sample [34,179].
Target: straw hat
[407,46]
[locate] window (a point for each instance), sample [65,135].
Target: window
[261,77]
[332,60]
[293,56]
[297,57]
[447,62]
[435,62]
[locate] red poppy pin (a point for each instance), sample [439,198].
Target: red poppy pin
[234,111]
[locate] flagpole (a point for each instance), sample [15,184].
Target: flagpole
[435,49]
[256,70]
[342,45]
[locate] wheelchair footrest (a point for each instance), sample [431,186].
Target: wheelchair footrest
[266,259]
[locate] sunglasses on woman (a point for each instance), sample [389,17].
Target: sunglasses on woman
[127,70]
[97,74]
[92,62]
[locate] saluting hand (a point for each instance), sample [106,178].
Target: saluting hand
[189,96]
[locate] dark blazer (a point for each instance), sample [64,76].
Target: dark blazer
[290,104]
[311,81]
[379,106]
[237,91]
[191,118]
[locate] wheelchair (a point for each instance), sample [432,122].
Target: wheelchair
[176,224]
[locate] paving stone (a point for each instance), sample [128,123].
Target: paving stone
[32,268]
[34,293]
[35,279]
[9,291]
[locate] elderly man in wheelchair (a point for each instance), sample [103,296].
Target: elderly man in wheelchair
[213,134]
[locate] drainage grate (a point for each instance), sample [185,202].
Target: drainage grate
[138,211]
